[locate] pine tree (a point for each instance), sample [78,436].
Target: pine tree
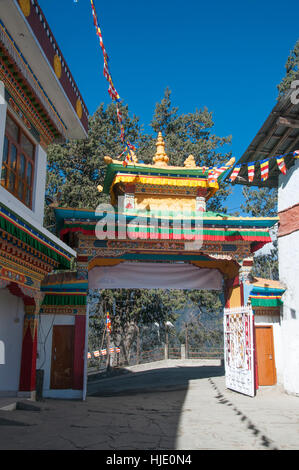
[192,133]
[76,168]
[292,71]
[262,202]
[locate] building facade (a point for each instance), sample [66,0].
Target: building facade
[39,104]
[279,137]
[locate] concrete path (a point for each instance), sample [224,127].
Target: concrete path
[181,405]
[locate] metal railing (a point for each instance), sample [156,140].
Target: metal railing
[152,355]
[206,353]
[174,353]
[156,354]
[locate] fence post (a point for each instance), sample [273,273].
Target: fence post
[186,341]
[183,351]
[165,351]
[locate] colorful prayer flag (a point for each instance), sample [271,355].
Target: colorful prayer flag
[108,323]
[281,164]
[250,171]
[264,169]
[111,90]
[211,176]
[96,353]
[88,355]
[127,160]
[113,93]
[296,154]
[235,173]
[117,350]
[103,352]
[131,147]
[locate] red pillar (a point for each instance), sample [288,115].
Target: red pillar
[79,349]
[29,351]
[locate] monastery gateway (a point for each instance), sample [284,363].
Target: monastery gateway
[159,234]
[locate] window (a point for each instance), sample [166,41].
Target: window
[18,162]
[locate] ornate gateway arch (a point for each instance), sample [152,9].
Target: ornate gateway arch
[155,233]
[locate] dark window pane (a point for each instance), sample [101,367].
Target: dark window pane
[29,173]
[27,199]
[21,189]
[13,157]
[12,128]
[11,181]
[27,146]
[5,149]
[22,166]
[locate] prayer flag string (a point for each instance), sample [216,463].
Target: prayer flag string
[264,166]
[111,89]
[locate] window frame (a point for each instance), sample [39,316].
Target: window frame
[18,177]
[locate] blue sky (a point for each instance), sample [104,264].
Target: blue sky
[228,56]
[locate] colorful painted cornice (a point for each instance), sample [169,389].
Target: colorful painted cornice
[266,293]
[13,225]
[157,176]
[219,233]
[64,293]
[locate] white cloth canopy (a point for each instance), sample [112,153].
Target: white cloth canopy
[128,275]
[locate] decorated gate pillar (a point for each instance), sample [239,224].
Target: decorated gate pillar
[79,352]
[29,351]
[234,287]
[29,345]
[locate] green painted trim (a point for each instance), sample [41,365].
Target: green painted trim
[266,302]
[58,299]
[114,168]
[10,228]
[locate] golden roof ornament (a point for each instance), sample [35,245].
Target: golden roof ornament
[231,162]
[190,162]
[107,159]
[160,159]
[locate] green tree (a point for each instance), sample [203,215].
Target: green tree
[262,202]
[129,310]
[292,71]
[191,133]
[76,168]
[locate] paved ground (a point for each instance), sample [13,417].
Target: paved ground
[177,406]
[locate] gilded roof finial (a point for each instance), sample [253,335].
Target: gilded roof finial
[160,159]
[190,162]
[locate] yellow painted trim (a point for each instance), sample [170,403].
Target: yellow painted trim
[25,7]
[235,297]
[164,181]
[104,262]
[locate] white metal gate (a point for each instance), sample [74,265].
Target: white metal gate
[239,350]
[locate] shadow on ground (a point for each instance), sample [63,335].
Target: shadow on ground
[151,381]
[148,404]
[139,410]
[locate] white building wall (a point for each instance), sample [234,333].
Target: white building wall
[288,194]
[11,334]
[39,190]
[288,251]
[44,350]
[277,340]
[288,247]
